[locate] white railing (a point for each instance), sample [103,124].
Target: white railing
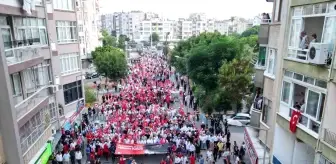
[35,143]
[20,54]
[32,101]
[298,53]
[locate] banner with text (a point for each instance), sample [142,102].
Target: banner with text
[139,149]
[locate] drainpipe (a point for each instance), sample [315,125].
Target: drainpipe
[317,151]
[50,52]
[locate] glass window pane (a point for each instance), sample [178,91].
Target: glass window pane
[320,83]
[312,103]
[309,80]
[36,36]
[43,37]
[298,76]
[285,92]
[6,37]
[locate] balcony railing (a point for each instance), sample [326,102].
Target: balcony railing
[34,142]
[329,137]
[298,53]
[20,54]
[32,101]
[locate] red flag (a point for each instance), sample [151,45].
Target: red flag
[294,120]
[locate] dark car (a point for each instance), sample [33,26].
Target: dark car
[91,75]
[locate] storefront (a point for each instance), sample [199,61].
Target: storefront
[43,155]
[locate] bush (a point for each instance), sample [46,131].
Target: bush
[90,95]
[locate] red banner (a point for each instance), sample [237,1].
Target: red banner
[130,149]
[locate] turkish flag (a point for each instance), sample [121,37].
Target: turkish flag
[294,120]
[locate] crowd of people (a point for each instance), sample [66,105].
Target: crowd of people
[149,108]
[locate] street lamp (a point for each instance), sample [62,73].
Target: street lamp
[265,147]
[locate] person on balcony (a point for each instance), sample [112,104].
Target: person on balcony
[314,40]
[304,41]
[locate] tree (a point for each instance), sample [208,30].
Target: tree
[121,42]
[110,62]
[90,96]
[154,37]
[251,31]
[235,78]
[100,50]
[205,60]
[108,40]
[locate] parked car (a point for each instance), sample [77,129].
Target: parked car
[239,119]
[91,75]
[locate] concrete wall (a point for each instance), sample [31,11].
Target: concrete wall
[328,120]
[283,145]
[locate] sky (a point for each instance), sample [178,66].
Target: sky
[173,9]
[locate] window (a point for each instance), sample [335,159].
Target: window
[81,39]
[64,4]
[262,56]
[80,28]
[36,77]
[286,86]
[16,82]
[66,31]
[70,63]
[30,31]
[72,91]
[271,61]
[266,110]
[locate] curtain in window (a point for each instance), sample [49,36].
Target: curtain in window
[30,81]
[296,29]
[285,92]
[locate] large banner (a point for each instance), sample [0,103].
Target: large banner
[129,149]
[250,148]
[139,149]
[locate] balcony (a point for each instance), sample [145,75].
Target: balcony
[264,31]
[39,137]
[260,66]
[328,145]
[256,111]
[32,102]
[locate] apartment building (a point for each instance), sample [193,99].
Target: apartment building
[107,22]
[296,74]
[88,31]
[222,27]
[184,29]
[41,81]
[164,28]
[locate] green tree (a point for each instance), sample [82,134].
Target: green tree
[154,37]
[121,42]
[235,78]
[90,95]
[107,39]
[100,50]
[251,31]
[110,62]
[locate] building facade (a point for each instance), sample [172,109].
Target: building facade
[41,82]
[89,35]
[296,73]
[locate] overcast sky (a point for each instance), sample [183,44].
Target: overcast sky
[173,9]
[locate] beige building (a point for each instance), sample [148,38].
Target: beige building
[41,79]
[297,72]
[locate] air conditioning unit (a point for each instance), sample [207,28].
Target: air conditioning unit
[53,89]
[53,130]
[318,53]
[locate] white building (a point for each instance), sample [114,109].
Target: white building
[222,27]
[160,26]
[107,22]
[184,29]
[89,34]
